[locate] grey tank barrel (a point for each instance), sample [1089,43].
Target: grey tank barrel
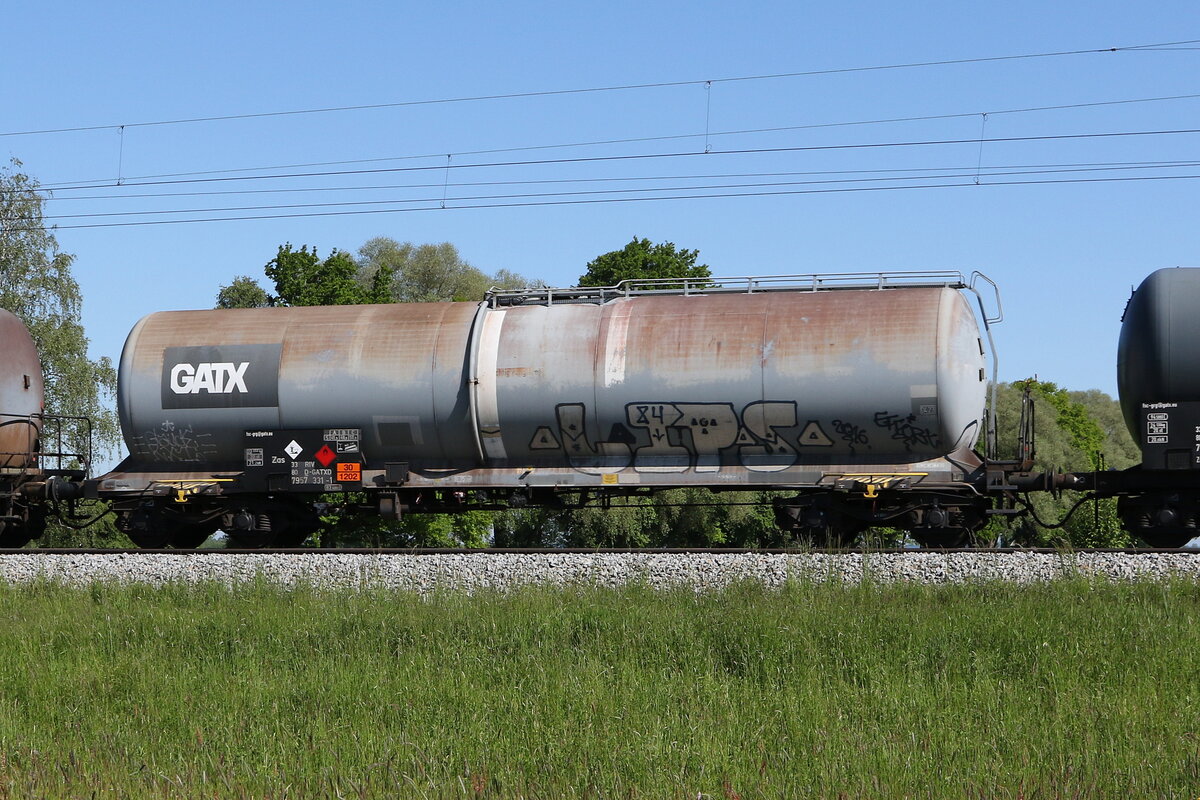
[658,384]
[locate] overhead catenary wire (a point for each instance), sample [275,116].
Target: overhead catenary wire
[1157,46]
[839,190]
[651,156]
[56,200]
[443,199]
[639,139]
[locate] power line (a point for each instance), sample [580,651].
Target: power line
[663,138]
[651,156]
[542,181]
[348,203]
[529,204]
[616,88]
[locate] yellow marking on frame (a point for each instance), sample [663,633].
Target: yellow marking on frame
[186,488]
[874,481]
[610,478]
[882,474]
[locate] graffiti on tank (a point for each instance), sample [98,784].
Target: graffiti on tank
[765,449]
[851,434]
[608,456]
[169,442]
[660,437]
[702,431]
[904,430]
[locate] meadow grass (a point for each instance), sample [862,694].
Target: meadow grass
[1072,689]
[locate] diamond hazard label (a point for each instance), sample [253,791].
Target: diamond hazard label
[325,456]
[294,449]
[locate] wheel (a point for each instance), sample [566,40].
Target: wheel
[147,539]
[295,535]
[1167,540]
[943,537]
[151,529]
[14,536]
[250,540]
[19,534]
[831,537]
[283,522]
[189,537]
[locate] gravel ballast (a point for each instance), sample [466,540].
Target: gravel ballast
[426,573]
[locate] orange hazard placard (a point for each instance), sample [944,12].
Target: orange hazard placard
[349,473]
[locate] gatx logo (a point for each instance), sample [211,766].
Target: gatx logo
[221,376]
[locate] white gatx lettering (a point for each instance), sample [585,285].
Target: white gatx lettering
[236,377]
[205,380]
[181,378]
[216,378]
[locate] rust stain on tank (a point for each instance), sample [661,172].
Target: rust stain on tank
[836,330]
[694,338]
[317,338]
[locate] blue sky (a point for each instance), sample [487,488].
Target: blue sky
[1064,254]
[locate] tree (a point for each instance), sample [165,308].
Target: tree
[244,292]
[302,279]
[641,260]
[424,273]
[36,284]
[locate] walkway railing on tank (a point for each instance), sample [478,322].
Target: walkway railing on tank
[812,282]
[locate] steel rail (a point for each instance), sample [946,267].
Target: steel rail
[440,551]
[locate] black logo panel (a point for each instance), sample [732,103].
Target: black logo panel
[221,376]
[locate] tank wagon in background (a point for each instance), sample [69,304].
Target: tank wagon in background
[31,445]
[1158,380]
[859,400]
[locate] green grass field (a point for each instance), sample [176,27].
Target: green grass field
[1074,689]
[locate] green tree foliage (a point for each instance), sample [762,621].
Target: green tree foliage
[302,279]
[642,260]
[1075,432]
[467,529]
[244,292]
[424,273]
[1119,448]
[673,518]
[1083,432]
[36,284]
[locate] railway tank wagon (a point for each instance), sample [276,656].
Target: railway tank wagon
[862,395]
[21,402]
[1158,380]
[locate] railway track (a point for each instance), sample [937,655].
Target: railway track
[700,569]
[439,551]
